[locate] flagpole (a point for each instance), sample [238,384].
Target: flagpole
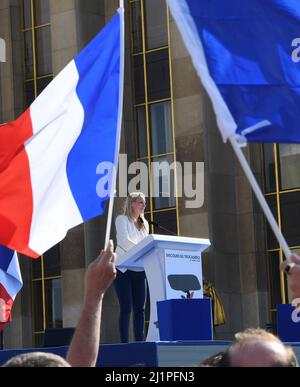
[260,197]
[119,127]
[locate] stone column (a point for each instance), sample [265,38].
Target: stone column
[6,69]
[63,33]
[189,131]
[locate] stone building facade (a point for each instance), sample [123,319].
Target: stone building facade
[162,93]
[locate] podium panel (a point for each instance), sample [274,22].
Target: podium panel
[173,269]
[185,320]
[287,329]
[183,274]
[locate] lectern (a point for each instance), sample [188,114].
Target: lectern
[173,269]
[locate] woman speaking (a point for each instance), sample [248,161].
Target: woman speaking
[130,285]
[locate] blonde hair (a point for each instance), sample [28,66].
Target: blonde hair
[127,210]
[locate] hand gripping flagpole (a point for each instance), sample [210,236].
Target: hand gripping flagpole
[260,197]
[118,137]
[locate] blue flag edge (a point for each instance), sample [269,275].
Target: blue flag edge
[186,25]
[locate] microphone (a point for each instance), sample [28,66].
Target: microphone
[155,224]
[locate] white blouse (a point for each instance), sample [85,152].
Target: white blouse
[127,237]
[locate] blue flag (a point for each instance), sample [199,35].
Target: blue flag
[10,283]
[247,54]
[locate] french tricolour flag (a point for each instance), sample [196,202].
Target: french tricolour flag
[10,283]
[49,156]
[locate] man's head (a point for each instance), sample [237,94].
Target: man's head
[214,360]
[37,360]
[259,348]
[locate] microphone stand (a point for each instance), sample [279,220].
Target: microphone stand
[162,228]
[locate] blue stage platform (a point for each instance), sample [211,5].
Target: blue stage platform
[159,354]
